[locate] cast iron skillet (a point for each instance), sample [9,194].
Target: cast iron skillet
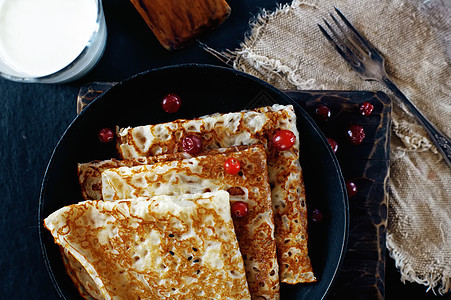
[204,90]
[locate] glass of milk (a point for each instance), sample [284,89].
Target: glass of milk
[50,41]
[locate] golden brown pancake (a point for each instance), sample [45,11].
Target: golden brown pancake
[90,173]
[86,286]
[244,128]
[255,232]
[180,247]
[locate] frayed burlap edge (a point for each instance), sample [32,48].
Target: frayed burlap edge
[265,64]
[411,139]
[247,61]
[431,280]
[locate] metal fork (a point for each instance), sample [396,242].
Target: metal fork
[369,64]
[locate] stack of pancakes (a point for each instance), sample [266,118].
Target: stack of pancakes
[157,223]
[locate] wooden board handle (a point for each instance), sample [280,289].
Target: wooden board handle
[177,23]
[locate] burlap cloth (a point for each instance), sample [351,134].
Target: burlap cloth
[286,49]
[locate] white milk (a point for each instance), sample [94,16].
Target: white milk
[40,37]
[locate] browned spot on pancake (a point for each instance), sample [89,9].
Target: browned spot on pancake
[236,191]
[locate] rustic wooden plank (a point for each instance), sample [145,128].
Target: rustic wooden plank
[90,91]
[363,271]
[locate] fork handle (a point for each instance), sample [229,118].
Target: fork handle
[441,141]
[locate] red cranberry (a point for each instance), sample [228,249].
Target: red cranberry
[283,139]
[351,188]
[192,144]
[323,112]
[366,108]
[171,103]
[316,216]
[356,134]
[239,209]
[232,166]
[333,143]
[105,135]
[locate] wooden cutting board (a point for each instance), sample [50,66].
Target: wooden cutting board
[362,274]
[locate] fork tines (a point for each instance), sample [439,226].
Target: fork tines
[351,45]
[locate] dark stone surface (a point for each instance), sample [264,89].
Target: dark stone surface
[34,116]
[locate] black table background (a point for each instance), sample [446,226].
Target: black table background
[34,116]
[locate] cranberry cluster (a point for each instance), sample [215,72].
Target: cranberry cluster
[355,135]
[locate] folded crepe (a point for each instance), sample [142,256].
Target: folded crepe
[244,128]
[176,247]
[86,286]
[90,173]
[255,232]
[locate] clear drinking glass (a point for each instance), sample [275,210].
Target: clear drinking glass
[38,35]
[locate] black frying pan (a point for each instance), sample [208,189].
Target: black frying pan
[204,90]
